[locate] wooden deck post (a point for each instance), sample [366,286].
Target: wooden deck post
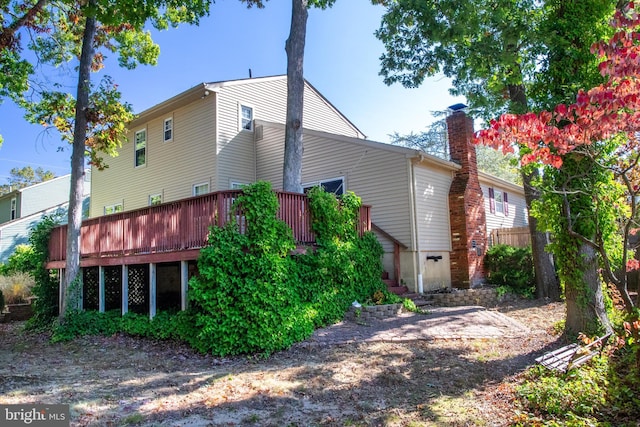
[184,284]
[125,289]
[152,290]
[101,289]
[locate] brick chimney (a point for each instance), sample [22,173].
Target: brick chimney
[466,205]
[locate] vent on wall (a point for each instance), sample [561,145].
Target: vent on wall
[259,133]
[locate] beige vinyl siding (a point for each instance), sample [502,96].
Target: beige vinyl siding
[269,98]
[517,216]
[432,207]
[319,115]
[236,152]
[377,175]
[172,167]
[270,155]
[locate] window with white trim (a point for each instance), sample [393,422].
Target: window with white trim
[238,185]
[168,129]
[155,199]
[246,118]
[111,209]
[334,185]
[498,202]
[199,189]
[14,208]
[141,148]
[497,197]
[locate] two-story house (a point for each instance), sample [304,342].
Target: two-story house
[23,208]
[429,214]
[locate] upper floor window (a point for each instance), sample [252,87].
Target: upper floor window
[14,208]
[111,209]
[168,129]
[335,186]
[498,202]
[246,117]
[141,148]
[155,199]
[199,189]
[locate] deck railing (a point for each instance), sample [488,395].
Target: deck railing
[180,225]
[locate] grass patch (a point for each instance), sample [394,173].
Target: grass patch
[131,420]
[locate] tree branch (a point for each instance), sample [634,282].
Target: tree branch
[7,35]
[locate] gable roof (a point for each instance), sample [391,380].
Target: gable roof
[216,85]
[29,187]
[202,90]
[419,155]
[489,179]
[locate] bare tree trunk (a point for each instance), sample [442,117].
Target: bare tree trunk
[293,144]
[77,164]
[547,283]
[585,302]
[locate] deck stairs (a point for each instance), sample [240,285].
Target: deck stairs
[394,287]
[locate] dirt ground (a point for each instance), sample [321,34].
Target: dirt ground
[120,380]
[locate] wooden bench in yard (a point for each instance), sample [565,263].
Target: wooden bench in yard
[572,355]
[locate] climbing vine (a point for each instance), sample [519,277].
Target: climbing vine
[252,295]
[45,306]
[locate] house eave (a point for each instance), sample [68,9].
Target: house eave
[410,153]
[431,160]
[486,178]
[188,96]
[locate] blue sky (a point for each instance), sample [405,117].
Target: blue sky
[341,61]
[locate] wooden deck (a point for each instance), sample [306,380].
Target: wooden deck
[173,231]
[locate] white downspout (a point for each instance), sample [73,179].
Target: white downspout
[414,196]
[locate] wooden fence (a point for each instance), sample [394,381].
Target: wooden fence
[517,236]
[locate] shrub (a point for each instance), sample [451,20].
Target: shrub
[45,306]
[579,392]
[252,296]
[604,392]
[22,260]
[511,267]
[176,326]
[80,323]
[16,287]
[1,301]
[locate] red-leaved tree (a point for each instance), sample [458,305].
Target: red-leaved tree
[590,151]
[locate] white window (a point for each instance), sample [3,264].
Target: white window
[108,210]
[155,199]
[168,129]
[497,197]
[238,185]
[334,185]
[141,148]
[246,117]
[498,202]
[14,208]
[199,189]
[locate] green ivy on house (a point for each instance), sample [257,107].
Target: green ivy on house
[252,294]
